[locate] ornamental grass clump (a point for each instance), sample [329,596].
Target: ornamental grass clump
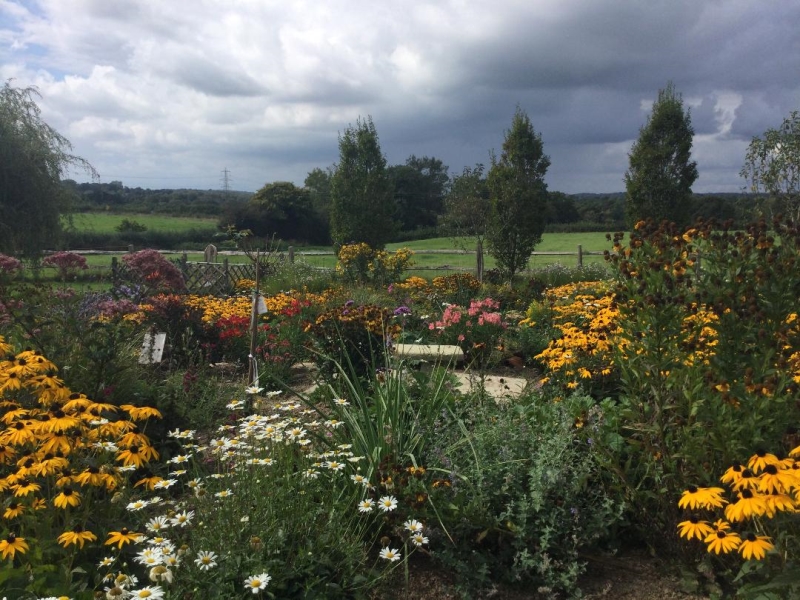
[63,459]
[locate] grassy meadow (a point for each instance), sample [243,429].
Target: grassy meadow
[101,222]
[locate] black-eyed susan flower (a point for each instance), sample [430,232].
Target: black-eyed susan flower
[779,503]
[122,537]
[140,413]
[694,528]
[723,541]
[748,505]
[733,474]
[747,481]
[77,536]
[25,487]
[11,545]
[695,497]
[67,498]
[13,510]
[137,455]
[755,546]
[19,434]
[94,477]
[57,444]
[775,480]
[761,459]
[60,422]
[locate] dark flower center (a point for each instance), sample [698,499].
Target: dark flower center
[747,494]
[751,537]
[771,469]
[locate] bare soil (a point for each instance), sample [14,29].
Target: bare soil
[630,576]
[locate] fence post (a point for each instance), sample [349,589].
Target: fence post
[291,255]
[580,255]
[479,260]
[184,267]
[227,272]
[130,248]
[114,273]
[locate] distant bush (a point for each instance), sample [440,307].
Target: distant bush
[130,225]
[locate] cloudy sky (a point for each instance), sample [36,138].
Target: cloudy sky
[168,93]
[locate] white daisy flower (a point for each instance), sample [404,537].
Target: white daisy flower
[390,554]
[387,503]
[256,583]
[206,560]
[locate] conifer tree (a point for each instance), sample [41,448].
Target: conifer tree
[659,180]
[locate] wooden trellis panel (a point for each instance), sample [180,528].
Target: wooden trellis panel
[216,279]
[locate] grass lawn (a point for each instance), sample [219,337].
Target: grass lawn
[107,222]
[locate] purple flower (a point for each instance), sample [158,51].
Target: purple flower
[349,303]
[402,310]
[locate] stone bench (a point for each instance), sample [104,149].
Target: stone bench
[436,353]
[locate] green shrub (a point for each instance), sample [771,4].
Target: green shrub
[520,496]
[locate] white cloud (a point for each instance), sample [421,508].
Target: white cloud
[151,88]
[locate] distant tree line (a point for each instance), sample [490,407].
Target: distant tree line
[363,198]
[421,190]
[115,197]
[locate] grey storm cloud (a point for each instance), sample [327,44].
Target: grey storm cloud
[167,94]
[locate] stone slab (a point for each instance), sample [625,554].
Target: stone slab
[431,352]
[498,387]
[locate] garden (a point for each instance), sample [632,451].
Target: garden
[288,451]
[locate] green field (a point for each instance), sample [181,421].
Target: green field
[448,256]
[107,222]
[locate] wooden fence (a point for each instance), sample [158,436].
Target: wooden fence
[206,277]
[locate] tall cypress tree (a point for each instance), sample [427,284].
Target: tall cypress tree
[661,173]
[362,195]
[518,196]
